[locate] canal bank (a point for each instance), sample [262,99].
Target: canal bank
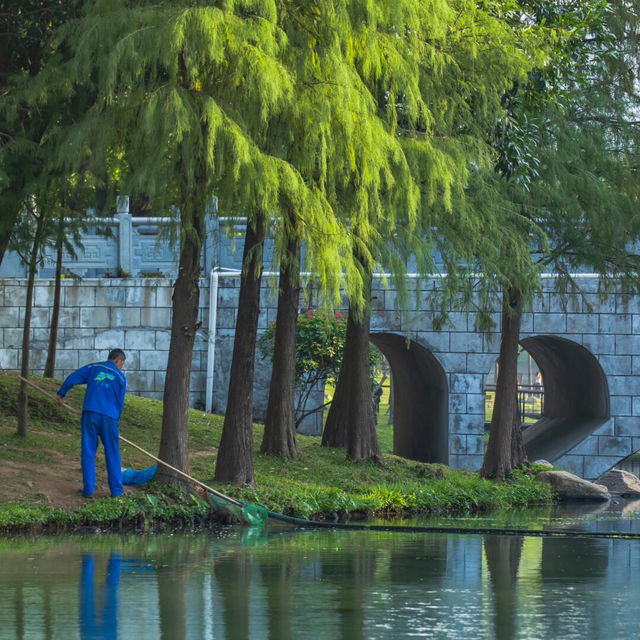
[40,476]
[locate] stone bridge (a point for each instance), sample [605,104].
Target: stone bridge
[587,348]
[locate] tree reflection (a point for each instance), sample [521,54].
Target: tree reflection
[171,596]
[568,563]
[574,559]
[233,574]
[503,554]
[177,554]
[278,578]
[18,602]
[351,573]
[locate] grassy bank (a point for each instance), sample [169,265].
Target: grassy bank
[39,475]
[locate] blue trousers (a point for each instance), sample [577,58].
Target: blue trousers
[94,426]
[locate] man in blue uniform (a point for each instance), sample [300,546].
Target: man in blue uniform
[103,403]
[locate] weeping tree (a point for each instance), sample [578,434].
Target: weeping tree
[31,236]
[188,95]
[449,64]
[329,132]
[37,233]
[70,197]
[289,199]
[50,364]
[351,420]
[27,174]
[182,92]
[235,455]
[565,163]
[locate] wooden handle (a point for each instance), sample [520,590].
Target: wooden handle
[50,395]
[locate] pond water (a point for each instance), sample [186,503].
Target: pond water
[326,584]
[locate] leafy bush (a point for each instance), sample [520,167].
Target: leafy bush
[319,344]
[320,341]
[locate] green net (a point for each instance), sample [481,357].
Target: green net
[253,515]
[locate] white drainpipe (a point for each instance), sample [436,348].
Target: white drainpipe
[214,276]
[211,343]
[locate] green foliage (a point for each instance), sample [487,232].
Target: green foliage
[410,493]
[361,118]
[106,513]
[568,139]
[15,516]
[319,344]
[566,172]
[25,47]
[320,338]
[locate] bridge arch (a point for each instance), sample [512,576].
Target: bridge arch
[420,399]
[576,396]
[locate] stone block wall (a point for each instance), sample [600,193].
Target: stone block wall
[608,328]
[98,315]
[135,314]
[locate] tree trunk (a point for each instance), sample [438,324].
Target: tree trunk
[23,395]
[3,248]
[49,367]
[336,428]
[235,456]
[518,453]
[504,452]
[351,421]
[184,324]
[279,437]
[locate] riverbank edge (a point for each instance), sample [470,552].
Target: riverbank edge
[320,484]
[130,515]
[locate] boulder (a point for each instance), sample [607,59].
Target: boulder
[569,487]
[543,463]
[621,483]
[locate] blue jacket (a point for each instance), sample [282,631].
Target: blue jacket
[106,386]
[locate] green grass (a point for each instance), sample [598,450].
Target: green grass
[321,481]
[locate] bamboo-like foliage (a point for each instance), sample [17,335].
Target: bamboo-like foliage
[364,115]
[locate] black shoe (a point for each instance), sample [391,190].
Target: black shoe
[88,496]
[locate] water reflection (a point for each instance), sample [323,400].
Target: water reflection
[280,599]
[99,619]
[234,576]
[502,555]
[324,584]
